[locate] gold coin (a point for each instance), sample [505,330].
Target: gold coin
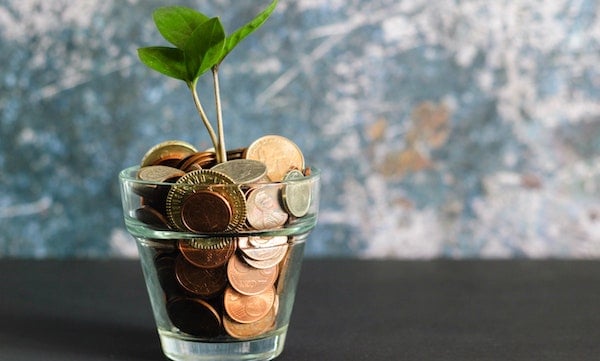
[248,309]
[248,280]
[169,152]
[278,153]
[263,209]
[203,180]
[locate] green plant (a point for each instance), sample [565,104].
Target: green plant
[201,44]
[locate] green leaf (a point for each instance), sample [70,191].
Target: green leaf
[234,39]
[168,61]
[204,47]
[177,23]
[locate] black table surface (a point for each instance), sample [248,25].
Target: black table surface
[345,310]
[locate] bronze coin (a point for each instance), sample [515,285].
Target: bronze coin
[250,330]
[203,282]
[263,210]
[165,270]
[206,211]
[247,309]
[151,217]
[205,180]
[207,253]
[197,160]
[248,280]
[167,153]
[194,316]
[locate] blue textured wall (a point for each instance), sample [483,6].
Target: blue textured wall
[444,128]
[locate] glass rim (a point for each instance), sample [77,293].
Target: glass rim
[129,175]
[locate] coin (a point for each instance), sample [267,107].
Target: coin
[269,262]
[165,270]
[205,180]
[169,152]
[159,173]
[262,241]
[263,209]
[278,153]
[205,211]
[269,247]
[247,309]
[248,280]
[151,217]
[194,316]
[250,330]
[196,161]
[242,171]
[204,282]
[207,253]
[296,194]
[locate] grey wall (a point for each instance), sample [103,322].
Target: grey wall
[444,128]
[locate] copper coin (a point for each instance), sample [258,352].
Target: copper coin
[205,180]
[165,270]
[278,153]
[204,282]
[250,330]
[263,209]
[169,152]
[248,309]
[206,211]
[194,316]
[197,160]
[207,253]
[151,217]
[248,280]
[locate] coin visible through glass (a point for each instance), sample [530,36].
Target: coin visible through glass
[248,280]
[248,309]
[194,316]
[249,330]
[207,253]
[269,249]
[204,282]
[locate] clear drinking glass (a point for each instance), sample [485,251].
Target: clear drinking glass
[225,295]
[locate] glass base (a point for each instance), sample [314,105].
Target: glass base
[180,349]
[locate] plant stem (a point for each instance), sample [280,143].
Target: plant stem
[220,150]
[209,128]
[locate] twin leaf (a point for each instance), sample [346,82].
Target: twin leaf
[200,42]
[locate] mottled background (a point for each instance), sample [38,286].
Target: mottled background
[444,128]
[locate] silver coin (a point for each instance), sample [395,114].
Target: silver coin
[264,252]
[243,171]
[296,194]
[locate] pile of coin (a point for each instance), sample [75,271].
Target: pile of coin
[248,192]
[226,281]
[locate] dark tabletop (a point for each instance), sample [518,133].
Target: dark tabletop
[345,310]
